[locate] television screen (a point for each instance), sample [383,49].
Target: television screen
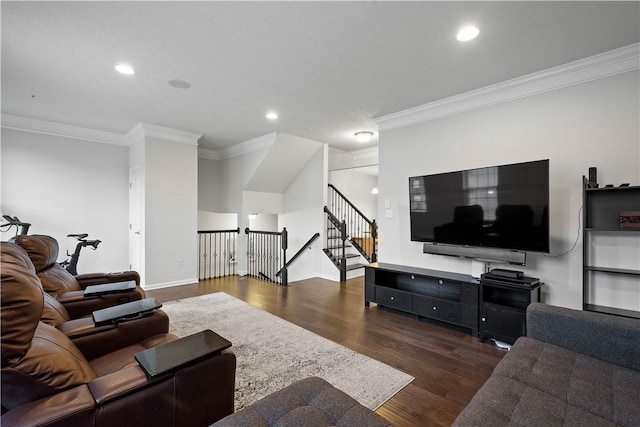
[503,206]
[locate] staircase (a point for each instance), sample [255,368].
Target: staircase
[352,238]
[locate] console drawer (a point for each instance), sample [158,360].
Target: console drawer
[437,309]
[469,294]
[394,298]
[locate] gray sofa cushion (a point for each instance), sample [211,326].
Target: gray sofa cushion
[610,338]
[540,384]
[311,402]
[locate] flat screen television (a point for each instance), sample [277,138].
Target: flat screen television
[504,206]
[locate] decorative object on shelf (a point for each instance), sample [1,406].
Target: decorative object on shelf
[593,178]
[630,219]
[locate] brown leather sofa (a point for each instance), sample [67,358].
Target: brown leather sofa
[69,289]
[92,339]
[46,380]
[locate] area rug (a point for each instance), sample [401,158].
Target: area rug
[273,353]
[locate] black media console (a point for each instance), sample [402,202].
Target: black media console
[503,305]
[448,297]
[495,306]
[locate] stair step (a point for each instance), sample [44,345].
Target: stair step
[328,250]
[338,247]
[355,266]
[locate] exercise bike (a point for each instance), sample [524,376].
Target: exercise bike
[72,263]
[22,228]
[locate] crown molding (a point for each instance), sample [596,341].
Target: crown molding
[617,61]
[58,129]
[139,131]
[205,153]
[148,130]
[255,144]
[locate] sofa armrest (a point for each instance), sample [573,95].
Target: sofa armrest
[610,338]
[95,341]
[70,407]
[102,278]
[78,305]
[196,395]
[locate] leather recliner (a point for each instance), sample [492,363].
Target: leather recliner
[47,381]
[69,289]
[94,339]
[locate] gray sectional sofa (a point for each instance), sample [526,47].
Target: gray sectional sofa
[311,402]
[573,368]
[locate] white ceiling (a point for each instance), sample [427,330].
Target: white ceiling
[328,68]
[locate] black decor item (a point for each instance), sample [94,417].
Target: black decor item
[593,177]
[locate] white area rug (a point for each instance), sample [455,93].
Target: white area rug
[273,353]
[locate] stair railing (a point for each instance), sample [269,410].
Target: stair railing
[336,252]
[217,253]
[267,255]
[361,231]
[300,252]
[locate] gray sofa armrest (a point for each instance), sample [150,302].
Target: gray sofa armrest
[606,337]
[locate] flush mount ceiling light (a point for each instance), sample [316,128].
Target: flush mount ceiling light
[467,33]
[271,115]
[364,136]
[125,69]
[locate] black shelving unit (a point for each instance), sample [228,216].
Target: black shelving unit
[601,215]
[503,306]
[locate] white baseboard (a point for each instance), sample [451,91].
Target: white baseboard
[169,284]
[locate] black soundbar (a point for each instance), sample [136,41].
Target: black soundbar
[479,253]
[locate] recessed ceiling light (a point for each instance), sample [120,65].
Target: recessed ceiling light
[364,136]
[125,69]
[467,33]
[271,115]
[179,84]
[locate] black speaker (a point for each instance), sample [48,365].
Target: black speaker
[593,177]
[479,253]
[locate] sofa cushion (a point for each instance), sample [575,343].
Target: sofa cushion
[311,402]
[538,383]
[21,301]
[51,364]
[43,251]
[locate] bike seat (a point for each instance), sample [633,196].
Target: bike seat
[78,236]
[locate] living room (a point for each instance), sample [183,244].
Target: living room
[579,110]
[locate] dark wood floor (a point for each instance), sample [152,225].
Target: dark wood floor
[449,365]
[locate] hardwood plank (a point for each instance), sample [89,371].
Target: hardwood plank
[449,365]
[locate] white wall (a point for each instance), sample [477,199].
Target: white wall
[591,124]
[217,221]
[304,217]
[171,213]
[357,188]
[208,185]
[68,186]
[264,222]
